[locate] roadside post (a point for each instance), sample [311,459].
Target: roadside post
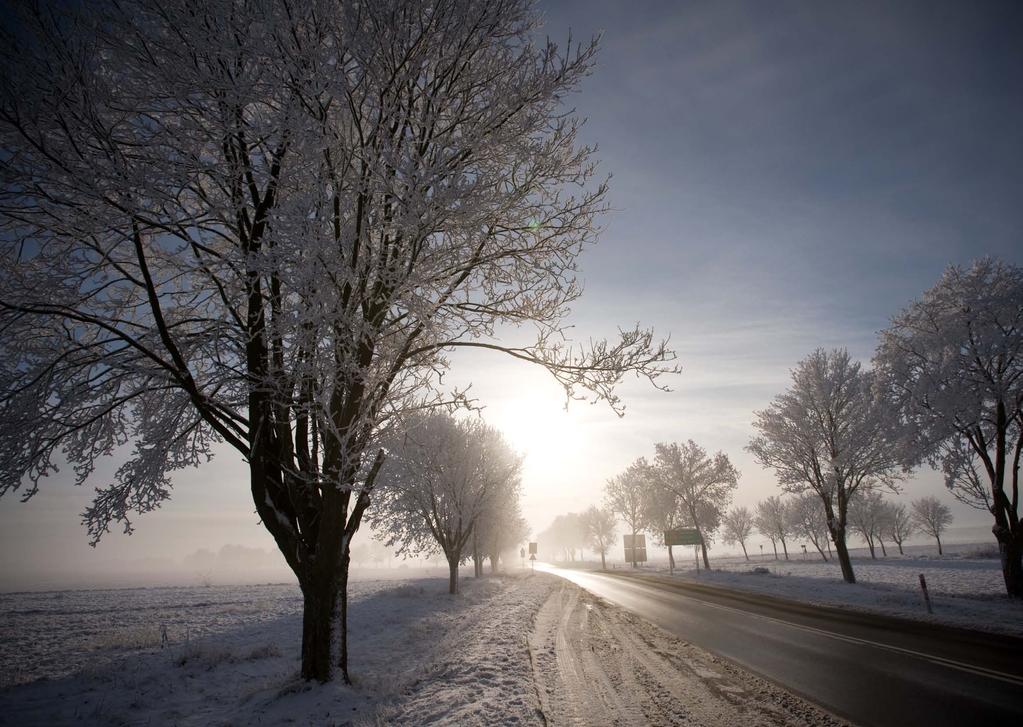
[927,598]
[683,536]
[532,557]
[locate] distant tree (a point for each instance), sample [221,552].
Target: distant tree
[664,512]
[626,494]
[830,434]
[899,524]
[952,364]
[566,533]
[866,516]
[263,227]
[772,521]
[805,516]
[600,530]
[737,527]
[441,476]
[501,526]
[932,517]
[704,484]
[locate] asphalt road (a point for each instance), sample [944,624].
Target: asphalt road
[869,670]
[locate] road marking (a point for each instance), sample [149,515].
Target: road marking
[941,660]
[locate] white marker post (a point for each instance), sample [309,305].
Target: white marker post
[927,598]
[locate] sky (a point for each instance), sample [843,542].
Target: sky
[785,176]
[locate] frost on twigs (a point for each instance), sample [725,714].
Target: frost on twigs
[268,225]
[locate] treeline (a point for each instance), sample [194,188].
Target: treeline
[945,390]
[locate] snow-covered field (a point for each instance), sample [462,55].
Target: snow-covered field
[518,649]
[418,656]
[965,590]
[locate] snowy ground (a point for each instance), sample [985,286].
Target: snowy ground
[597,664]
[511,650]
[965,590]
[418,657]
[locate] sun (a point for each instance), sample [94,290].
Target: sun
[540,428]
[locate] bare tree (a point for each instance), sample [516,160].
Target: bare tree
[899,524]
[738,525]
[703,484]
[806,518]
[866,516]
[953,365]
[439,480]
[832,435]
[261,227]
[932,516]
[501,527]
[600,529]
[567,533]
[625,494]
[664,511]
[773,521]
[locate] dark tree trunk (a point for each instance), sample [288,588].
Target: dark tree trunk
[820,550]
[453,574]
[884,551]
[703,549]
[1011,554]
[744,550]
[785,549]
[603,564]
[870,546]
[827,542]
[671,559]
[320,620]
[774,545]
[899,543]
[843,556]
[938,538]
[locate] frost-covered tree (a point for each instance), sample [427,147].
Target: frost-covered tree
[501,527]
[625,494]
[932,517]
[664,511]
[772,521]
[866,516]
[830,434]
[952,363]
[737,526]
[567,533]
[600,530]
[806,518]
[262,227]
[703,483]
[440,477]
[899,524]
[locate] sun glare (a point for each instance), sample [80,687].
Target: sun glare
[540,428]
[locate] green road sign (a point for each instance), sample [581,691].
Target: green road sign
[682,536]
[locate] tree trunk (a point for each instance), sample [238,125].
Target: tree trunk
[843,556]
[603,564]
[785,549]
[633,548]
[899,543]
[870,546]
[1011,553]
[744,550]
[938,538]
[703,548]
[453,574]
[884,551]
[827,542]
[820,550]
[671,558]
[320,622]
[775,546]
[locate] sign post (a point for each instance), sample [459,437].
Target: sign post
[684,536]
[635,548]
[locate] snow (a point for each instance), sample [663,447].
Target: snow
[512,649]
[418,656]
[965,590]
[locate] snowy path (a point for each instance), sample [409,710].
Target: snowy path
[595,663]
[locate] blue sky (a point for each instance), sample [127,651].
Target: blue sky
[786,175]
